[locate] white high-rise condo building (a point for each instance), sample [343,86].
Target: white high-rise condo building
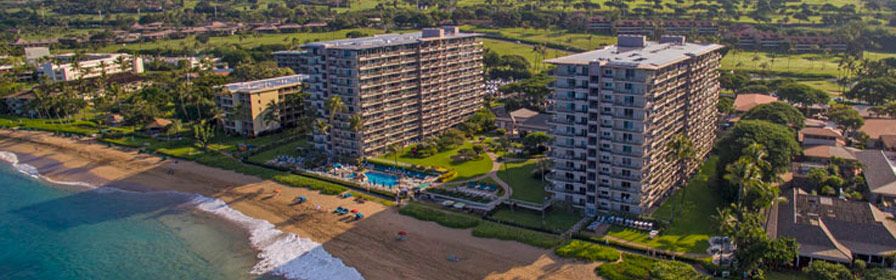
[402,87]
[617,108]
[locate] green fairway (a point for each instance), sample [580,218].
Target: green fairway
[692,226]
[828,86]
[817,64]
[555,220]
[508,48]
[789,275]
[518,176]
[245,42]
[465,170]
[553,36]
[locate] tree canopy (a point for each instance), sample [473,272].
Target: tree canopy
[779,141]
[802,94]
[777,112]
[846,117]
[877,91]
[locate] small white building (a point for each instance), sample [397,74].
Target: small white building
[93,65]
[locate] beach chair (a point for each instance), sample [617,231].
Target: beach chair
[358,216]
[347,195]
[492,188]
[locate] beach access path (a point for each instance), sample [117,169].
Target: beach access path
[368,245]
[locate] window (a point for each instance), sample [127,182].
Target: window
[629,99]
[625,184]
[627,148]
[626,161]
[627,137]
[627,124]
[628,86]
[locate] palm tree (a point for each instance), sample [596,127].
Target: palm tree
[272,113]
[395,149]
[334,106]
[355,123]
[683,152]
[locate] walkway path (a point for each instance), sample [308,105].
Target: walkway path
[493,174]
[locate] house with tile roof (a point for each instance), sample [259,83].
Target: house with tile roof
[832,229]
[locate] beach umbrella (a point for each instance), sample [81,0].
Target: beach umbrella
[355,211]
[276,191]
[402,233]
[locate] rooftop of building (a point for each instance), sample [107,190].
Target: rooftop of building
[634,51]
[880,171]
[831,228]
[877,127]
[822,132]
[393,39]
[266,84]
[747,101]
[825,151]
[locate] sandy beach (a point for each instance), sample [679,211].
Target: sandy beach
[368,245]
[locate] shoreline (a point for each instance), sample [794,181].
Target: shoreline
[367,245]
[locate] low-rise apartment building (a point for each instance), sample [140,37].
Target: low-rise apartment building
[90,65]
[403,87]
[615,111]
[256,107]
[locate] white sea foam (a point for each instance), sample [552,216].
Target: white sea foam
[281,254]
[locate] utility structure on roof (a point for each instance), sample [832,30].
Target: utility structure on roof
[615,111]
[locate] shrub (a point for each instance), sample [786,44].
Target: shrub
[642,267]
[448,176]
[452,220]
[823,270]
[587,251]
[499,231]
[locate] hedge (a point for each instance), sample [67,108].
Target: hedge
[448,219]
[499,231]
[637,267]
[412,167]
[587,251]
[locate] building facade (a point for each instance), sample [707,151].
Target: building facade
[92,65]
[615,111]
[256,107]
[402,87]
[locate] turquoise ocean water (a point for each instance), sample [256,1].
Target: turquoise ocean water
[50,231]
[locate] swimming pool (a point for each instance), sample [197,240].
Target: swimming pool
[381,179]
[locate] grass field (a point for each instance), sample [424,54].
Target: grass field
[285,149]
[815,64]
[507,48]
[555,220]
[790,275]
[465,170]
[693,226]
[556,36]
[828,86]
[248,42]
[518,176]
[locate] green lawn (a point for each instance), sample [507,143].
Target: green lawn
[518,176]
[465,170]
[809,63]
[693,226]
[789,275]
[250,41]
[285,149]
[507,48]
[555,220]
[83,124]
[583,41]
[828,86]
[816,64]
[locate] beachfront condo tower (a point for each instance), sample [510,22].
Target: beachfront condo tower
[396,88]
[617,108]
[256,107]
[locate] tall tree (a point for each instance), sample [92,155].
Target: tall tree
[681,151]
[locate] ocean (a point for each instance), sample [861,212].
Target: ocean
[70,230]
